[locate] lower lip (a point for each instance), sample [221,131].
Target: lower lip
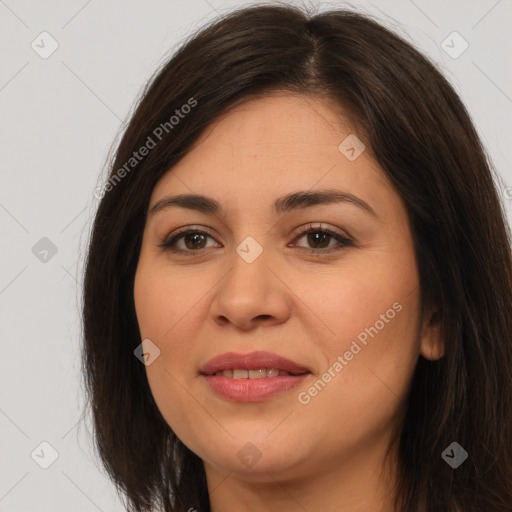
[252,390]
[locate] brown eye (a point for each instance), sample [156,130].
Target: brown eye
[318,240]
[194,240]
[319,237]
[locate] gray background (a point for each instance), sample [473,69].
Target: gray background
[59,117]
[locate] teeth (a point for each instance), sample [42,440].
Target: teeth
[260,373]
[257,374]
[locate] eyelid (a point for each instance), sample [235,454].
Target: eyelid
[184,230]
[322,227]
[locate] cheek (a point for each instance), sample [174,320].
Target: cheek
[369,363]
[167,319]
[371,353]
[370,346]
[362,303]
[162,302]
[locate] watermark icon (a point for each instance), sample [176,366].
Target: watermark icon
[249,249]
[147,352]
[454,455]
[508,192]
[44,455]
[249,455]
[351,147]
[304,397]
[454,45]
[44,250]
[44,45]
[152,141]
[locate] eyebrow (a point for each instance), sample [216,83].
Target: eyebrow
[282,205]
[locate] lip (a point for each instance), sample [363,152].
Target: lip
[252,390]
[251,361]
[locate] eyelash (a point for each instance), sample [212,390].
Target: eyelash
[169,243]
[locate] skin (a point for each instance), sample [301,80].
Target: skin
[328,454]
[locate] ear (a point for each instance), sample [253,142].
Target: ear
[432,346]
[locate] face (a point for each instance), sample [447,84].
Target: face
[330,285]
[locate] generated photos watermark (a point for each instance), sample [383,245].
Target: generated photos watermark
[159,134]
[304,397]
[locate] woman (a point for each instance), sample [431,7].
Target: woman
[298,291]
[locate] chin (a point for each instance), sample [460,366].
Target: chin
[254,460]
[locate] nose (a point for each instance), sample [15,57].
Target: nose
[251,294]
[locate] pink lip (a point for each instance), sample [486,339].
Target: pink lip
[250,361]
[252,390]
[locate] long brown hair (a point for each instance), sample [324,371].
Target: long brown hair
[422,136]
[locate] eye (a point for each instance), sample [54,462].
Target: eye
[318,236]
[195,240]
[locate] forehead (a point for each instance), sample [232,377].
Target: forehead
[281,125]
[270,146]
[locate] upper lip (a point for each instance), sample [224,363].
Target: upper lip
[251,361]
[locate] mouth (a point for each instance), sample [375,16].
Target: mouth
[252,365]
[252,377]
[260,373]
